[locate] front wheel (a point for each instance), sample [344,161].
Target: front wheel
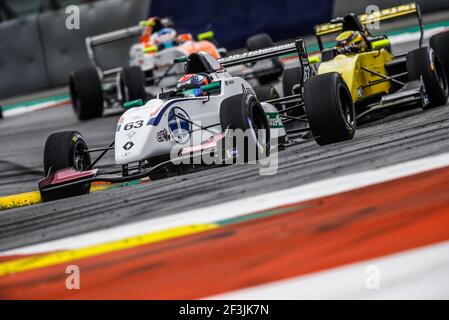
[63,150]
[424,62]
[246,128]
[329,108]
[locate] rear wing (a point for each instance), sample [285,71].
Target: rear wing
[101,39]
[298,47]
[383,15]
[115,36]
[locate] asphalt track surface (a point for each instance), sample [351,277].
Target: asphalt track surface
[403,136]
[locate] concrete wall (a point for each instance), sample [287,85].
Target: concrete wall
[38,52]
[22,62]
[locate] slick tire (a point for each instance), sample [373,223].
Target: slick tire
[290,78]
[62,150]
[440,44]
[259,41]
[424,62]
[243,114]
[66,149]
[132,84]
[331,116]
[86,93]
[265,93]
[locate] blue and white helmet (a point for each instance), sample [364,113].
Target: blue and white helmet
[163,36]
[190,84]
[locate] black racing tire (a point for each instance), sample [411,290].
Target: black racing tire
[244,112]
[132,84]
[259,41]
[66,149]
[86,93]
[331,115]
[265,93]
[425,62]
[62,150]
[290,78]
[440,44]
[1,112]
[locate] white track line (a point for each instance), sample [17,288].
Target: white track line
[25,109]
[242,206]
[407,37]
[421,273]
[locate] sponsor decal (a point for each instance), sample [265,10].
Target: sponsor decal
[163,136]
[257,52]
[246,90]
[179,125]
[274,120]
[128,145]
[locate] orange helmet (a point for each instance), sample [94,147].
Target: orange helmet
[184,37]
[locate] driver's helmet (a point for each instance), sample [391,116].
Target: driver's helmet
[351,42]
[165,37]
[185,37]
[190,85]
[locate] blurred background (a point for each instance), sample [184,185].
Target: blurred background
[37,51]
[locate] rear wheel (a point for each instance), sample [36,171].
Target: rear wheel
[86,93]
[331,116]
[243,114]
[259,41]
[423,62]
[132,84]
[290,78]
[265,93]
[440,44]
[66,149]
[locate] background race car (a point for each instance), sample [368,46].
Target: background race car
[150,68]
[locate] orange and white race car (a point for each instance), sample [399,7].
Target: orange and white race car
[150,67]
[158,36]
[160,45]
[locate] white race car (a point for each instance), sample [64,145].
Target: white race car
[202,120]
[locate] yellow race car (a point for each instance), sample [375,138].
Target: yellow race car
[375,78]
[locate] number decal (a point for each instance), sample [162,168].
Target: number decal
[138,124]
[133,125]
